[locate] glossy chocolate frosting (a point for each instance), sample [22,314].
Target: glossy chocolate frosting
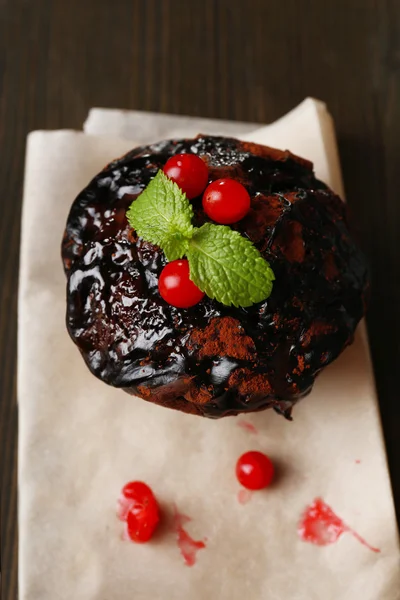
[211,359]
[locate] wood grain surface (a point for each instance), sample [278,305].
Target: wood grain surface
[245,59]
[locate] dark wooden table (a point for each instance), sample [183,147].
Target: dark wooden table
[248,60]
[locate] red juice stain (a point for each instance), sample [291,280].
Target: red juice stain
[186,544]
[247,426]
[357,461]
[123,507]
[321,526]
[244,496]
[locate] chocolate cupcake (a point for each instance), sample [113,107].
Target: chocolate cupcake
[225,353]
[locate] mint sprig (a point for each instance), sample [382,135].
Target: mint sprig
[227,267]
[162,215]
[223,264]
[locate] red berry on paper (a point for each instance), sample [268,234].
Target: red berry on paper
[175,286]
[226,201]
[189,172]
[254,470]
[142,515]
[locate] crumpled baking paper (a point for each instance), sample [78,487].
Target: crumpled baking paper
[80,441]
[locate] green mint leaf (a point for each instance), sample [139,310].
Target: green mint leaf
[162,215]
[227,267]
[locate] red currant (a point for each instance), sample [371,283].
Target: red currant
[175,286]
[226,201]
[143,514]
[254,470]
[189,172]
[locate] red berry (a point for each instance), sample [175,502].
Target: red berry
[254,470]
[226,201]
[175,286]
[143,515]
[189,172]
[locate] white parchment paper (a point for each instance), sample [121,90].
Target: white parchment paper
[148,127]
[80,441]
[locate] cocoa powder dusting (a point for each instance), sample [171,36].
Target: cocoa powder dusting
[292,197]
[198,395]
[301,365]
[290,242]
[246,382]
[224,336]
[264,213]
[275,154]
[144,391]
[317,328]
[301,362]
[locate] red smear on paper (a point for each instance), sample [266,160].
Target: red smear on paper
[124,505]
[186,544]
[247,426]
[244,496]
[321,526]
[357,461]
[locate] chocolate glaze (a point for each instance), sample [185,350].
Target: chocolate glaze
[131,339]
